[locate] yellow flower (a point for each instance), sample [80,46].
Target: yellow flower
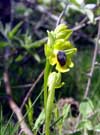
[59,50]
[62,60]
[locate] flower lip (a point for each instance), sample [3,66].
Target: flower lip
[61,57]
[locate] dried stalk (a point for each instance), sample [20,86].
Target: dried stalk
[30,90]
[93,63]
[14,106]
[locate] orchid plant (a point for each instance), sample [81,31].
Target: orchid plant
[59,52]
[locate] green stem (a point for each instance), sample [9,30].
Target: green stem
[46,74]
[50,105]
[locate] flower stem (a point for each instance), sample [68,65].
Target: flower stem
[46,74]
[49,105]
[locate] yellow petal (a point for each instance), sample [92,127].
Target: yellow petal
[53,59]
[62,69]
[62,45]
[70,63]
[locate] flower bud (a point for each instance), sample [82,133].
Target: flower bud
[64,34]
[51,38]
[60,28]
[56,76]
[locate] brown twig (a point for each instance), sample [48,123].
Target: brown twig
[30,90]
[93,63]
[61,15]
[84,24]
[14,106]
[22,86]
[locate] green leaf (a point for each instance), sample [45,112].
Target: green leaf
[13,32]
[20,8]
[97,128]
[89,14]
[35,44]
[39,121]
[28,39]
[29,109]
[76,8]
[3,44]
[85,124]
[19,58]
[77,2]
[37,57]
[66,109]
[47,2]
[86,107]
[56,112]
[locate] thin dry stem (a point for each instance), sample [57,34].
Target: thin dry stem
[81,25]
[31,89]
[61,15]
[93,62]
[14,106]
